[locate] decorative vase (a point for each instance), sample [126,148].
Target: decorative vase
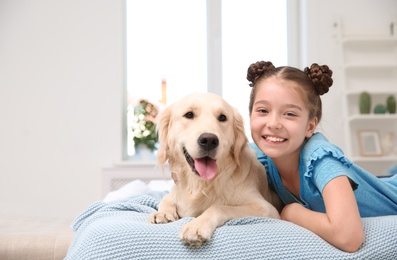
[365,103]
[143,153]
[380,109]
[391,104]
[388,144]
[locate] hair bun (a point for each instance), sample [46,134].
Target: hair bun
[257,70]
[321,76]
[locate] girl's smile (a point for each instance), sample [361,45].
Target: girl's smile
[274,139]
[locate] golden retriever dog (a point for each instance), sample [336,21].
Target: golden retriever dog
[217,176]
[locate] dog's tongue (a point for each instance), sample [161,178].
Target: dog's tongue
[206,167]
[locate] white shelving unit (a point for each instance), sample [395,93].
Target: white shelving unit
[369,64]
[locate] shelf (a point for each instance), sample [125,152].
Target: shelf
[361,40]
[374,159]
[378,97]
[371,78]
[370,53]
[376,92]
[369,63]
[370,67]
[373,117]
[378,166]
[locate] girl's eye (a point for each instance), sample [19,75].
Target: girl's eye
[262,110]
[290,114]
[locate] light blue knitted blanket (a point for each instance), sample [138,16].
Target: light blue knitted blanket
[120,230]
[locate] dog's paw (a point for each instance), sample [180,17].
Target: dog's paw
[194,234]
[163,217]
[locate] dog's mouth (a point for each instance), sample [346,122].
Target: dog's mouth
[205,167]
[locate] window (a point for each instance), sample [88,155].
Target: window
[167,42]
[252,30]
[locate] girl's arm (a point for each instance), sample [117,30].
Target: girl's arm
[341,226]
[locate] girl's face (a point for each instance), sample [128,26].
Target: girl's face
[280,118]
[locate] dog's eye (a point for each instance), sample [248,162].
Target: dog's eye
[222,118]
[189,115]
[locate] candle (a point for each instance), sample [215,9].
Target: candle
[163,91]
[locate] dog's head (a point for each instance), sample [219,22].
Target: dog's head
[201,130]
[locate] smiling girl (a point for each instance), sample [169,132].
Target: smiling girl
[322,190]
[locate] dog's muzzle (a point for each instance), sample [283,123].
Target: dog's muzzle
[204,166]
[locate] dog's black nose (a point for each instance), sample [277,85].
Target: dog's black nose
[208,141]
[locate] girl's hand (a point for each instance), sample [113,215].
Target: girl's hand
[341,226]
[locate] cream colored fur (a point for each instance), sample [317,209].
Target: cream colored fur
[239,189]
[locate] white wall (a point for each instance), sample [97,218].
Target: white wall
[319,44]
[61,87]
[60,103]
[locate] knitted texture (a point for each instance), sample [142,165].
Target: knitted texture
[120,230]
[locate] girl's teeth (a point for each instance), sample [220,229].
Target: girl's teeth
[274,139]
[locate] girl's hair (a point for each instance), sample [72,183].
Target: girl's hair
[314,81]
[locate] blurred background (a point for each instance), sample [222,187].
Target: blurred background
[68,72]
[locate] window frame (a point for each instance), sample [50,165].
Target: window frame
[214,53]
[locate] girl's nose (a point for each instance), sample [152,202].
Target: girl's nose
[274,122]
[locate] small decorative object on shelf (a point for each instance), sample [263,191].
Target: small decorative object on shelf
[380,109]
[144,126]
[365,103]
[369,143]
[388,144]
[391,104]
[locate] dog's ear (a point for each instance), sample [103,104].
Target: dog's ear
[239,134]
[163,125]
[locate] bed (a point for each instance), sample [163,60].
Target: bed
[117,228]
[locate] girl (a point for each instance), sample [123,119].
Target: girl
[322,190]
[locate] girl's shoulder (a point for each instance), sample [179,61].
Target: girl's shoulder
[318,145]
[318,140]
[317,148]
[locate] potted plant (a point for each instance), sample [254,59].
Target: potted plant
[144,126]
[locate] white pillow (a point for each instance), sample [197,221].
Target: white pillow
[138,187]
